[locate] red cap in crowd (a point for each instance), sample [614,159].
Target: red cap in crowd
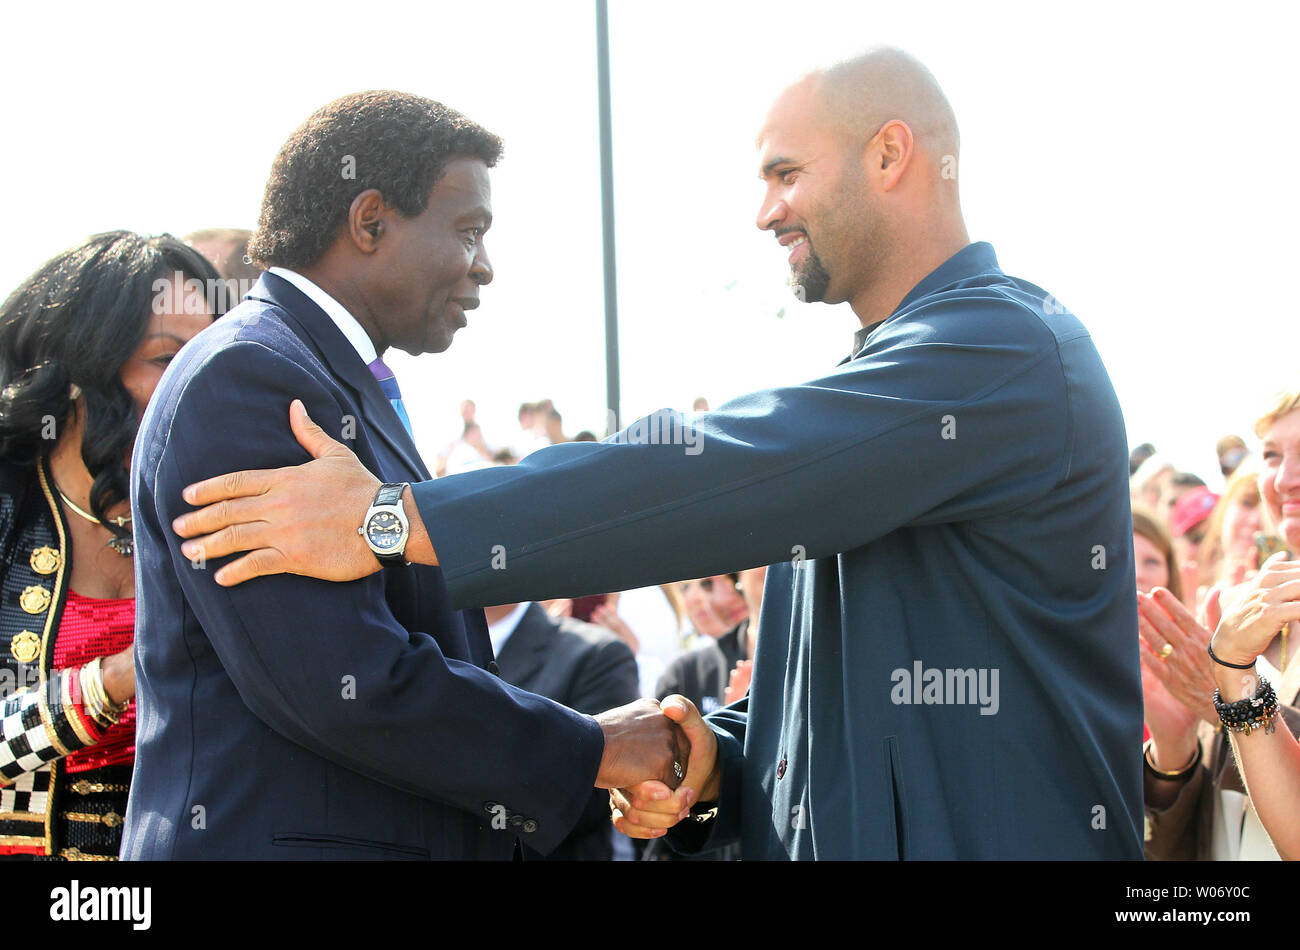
[1192,508]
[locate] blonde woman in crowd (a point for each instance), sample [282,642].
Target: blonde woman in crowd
[1197,804]
[1251,641]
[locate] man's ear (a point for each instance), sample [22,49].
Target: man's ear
[891,153]
[366,220]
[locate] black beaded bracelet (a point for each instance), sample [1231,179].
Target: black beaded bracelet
[1246,715]
[1235,666]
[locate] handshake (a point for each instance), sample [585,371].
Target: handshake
[659,760]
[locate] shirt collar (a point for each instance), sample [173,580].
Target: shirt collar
[500,631]
[346,323]
[860,336]
[973,259]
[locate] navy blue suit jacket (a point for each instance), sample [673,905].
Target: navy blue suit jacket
[294,718]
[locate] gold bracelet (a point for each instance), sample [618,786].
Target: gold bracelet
[1171,776]
[101,708]
[89,700]
[113,709]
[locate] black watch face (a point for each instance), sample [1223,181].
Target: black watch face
[384,531]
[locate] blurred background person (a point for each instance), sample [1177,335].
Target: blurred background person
[467,452]
[1153,554]
[1149,482]
[227,250]
[554,427]
[1228,550]
[703,673]
[527,439]
[582,666]
[544,408]
[1179,484]
[649,621]
[1187,524]
[697,603]
[1138,456]
[727,598]
[1153,560]
[83,343]
[469,449]
[1231,450]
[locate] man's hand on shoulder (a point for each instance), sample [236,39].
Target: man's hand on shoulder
[302,519]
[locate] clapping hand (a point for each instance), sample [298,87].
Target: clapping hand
[1173,652]
[1251,620]
[738,683]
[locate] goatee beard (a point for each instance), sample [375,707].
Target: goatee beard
[810,280]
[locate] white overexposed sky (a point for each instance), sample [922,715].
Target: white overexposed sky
[1135,159]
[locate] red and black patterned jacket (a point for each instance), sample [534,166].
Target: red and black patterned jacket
[44,810]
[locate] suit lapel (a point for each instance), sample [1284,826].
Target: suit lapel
[316,327]
[525,652]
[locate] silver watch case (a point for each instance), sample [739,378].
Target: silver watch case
[385,530]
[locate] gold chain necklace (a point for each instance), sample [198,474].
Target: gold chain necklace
[123,546]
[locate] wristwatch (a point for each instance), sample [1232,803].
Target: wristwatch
[385,527]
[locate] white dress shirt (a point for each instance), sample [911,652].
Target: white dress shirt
[500,631]
[346,323]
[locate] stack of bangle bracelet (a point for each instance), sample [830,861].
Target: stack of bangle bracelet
[1246,715]
[103,710]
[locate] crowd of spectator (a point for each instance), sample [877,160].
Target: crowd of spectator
[1199,557]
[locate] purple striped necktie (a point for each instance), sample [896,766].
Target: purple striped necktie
[388,383]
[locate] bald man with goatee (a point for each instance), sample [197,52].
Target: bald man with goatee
[949,660]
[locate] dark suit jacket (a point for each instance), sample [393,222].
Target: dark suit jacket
[294,718]
[585,668]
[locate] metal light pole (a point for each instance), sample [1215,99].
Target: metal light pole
[607,213]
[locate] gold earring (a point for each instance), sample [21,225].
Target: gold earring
[74,393]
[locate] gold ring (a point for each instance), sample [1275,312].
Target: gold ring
[1166,652]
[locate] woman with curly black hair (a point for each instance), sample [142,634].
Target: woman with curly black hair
[83,343]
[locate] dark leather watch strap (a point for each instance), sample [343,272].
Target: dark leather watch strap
[390,493]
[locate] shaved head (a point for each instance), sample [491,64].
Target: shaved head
[859,161]
[859,95]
